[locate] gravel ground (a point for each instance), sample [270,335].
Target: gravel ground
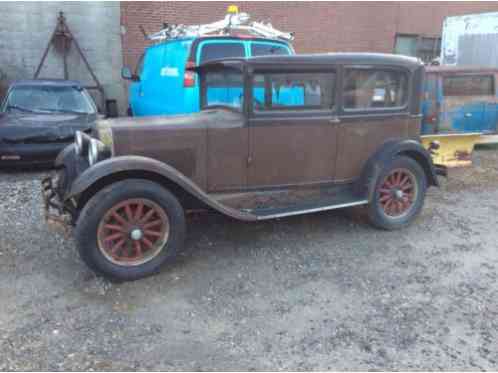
[323,291]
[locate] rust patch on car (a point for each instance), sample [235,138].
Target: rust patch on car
[462,155]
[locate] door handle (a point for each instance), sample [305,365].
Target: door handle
[334,120]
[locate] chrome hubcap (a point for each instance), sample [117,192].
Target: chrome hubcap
[136,234]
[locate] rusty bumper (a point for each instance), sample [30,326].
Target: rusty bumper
[455,149]
[55,213]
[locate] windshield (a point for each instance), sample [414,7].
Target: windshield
[223,87]
[49,99]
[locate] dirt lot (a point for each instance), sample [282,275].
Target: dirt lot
[312,292]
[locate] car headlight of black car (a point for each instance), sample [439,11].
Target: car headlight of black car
[82,142]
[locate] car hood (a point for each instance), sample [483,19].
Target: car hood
[179,141]
[42,128]
[137,130]
[155,122]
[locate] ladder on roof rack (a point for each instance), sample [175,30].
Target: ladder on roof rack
[233,21]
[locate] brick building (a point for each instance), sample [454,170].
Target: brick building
[404,27]
[109,33]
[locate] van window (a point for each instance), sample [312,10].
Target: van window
[372,88]
[266,49]
[294,91]
[468,85]
[214,51]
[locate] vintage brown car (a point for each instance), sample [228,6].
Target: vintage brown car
[277,136]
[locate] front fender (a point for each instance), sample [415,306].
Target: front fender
[388,151]
[116,165]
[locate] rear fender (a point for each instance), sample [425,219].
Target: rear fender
[102,174]
[388,151]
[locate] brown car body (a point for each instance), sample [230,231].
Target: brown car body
[262,147]
[252,166]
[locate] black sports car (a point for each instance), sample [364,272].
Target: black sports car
[38,118]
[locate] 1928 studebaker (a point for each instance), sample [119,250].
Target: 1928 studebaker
[277,136]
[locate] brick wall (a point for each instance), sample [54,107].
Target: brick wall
[319,26]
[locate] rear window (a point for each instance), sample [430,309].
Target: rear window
[265,49]
[366,89]
[214,51]
[468,85]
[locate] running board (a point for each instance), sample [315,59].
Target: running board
[301,209]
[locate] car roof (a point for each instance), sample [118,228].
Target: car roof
[218,38]
[46,82]
[461,69]
[323,59]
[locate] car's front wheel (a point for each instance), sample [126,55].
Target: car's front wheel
[398,195]
[129,229]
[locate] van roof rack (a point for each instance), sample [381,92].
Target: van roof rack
[233,21]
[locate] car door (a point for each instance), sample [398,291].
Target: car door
[292,127]
[374,110]
[227,133]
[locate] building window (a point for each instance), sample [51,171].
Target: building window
[425,48]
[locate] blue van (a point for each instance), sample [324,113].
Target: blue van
[460,100]
[161,84]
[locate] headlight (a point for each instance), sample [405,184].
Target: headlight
[78,141]
[97,151]
[81,141]
[93,152]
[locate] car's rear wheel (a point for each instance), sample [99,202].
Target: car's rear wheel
[129,229]
[398,195]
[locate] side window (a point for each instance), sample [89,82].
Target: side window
[223,87]
[214,51]
[468,85]
[374,88]
[267,49]
[293,91]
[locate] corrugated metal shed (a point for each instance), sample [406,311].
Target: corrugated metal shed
[470,40]
[478,50]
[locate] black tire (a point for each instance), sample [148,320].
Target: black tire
[101,203]
[376,210]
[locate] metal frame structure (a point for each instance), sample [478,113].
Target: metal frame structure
[61,40]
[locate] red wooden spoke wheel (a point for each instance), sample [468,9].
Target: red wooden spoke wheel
[133,232]
[398,192]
